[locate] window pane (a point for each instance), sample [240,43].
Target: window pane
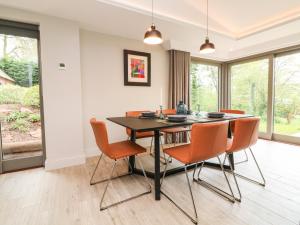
[204,87]
[287,95]
[249,89]
[20,116]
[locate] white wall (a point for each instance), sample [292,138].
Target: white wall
[103,90]
[61,89]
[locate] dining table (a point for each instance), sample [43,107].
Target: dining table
[139,124]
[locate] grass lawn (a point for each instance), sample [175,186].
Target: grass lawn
[282,127]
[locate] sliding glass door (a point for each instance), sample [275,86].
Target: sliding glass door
[249,89]
[204,83]
[287,97]
[269,87]
[21,142]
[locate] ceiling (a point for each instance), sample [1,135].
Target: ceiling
[233,18]
[236,18]
[233,24]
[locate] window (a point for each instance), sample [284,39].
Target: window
[287,95]
[204,87]
[249,89]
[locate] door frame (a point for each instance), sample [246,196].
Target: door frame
[268,134]
[218,64]
[35,161]
[271,55]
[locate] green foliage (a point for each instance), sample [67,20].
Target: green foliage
[33,118]
[16,115]
[11,94]
[20,71]
[21,121]
[204,87]
[32,97]
[21,125]
[14,94]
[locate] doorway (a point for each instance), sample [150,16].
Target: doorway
[21,121]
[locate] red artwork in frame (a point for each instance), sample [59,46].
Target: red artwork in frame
[137,68]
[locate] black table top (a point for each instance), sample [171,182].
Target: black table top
[138,124]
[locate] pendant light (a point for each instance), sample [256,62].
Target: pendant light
[153,36]
[207,47]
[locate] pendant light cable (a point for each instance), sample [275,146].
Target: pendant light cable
[207,46]
[152,13]
[206,18]
[152,35]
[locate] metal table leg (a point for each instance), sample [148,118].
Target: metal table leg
[157,174]
[132,158]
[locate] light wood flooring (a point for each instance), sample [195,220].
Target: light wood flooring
[64,196]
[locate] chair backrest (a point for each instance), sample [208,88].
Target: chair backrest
[100,132]
[208,140]
[133,114]
[246,133]
[167,111]
[234,111]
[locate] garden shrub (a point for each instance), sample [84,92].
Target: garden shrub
[33,118]
[15,115]
[19,70]
[32,97]
[21,125]
[11,94]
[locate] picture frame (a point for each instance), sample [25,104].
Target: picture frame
[137,68]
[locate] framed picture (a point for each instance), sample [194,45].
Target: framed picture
[137,68]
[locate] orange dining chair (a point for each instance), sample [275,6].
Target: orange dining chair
[146,134]
[208,141]
[246,135]
[115,151]
[176,131]
[232,125]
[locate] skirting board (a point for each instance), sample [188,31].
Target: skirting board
[52,164]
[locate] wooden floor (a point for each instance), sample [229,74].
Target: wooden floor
[64,196]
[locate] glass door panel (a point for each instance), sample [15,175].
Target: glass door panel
[204,87]
[249,89]
[20,114]
[287,95]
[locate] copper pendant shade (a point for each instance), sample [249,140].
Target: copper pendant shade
[207,46]
[152,35]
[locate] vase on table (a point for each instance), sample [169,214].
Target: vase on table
[181,108]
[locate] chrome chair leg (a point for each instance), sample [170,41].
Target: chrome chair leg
[229,196]
[193,219]
[235,180]
[145,175]
[263,183]
[91,182]
[104,180]
[127,199]
[106,186]
[243,161]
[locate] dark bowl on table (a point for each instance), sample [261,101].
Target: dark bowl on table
[148,114]
[215,115]
[177,118]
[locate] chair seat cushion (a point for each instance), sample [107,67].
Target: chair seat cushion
[124,149]
[180,153]
[176,130]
